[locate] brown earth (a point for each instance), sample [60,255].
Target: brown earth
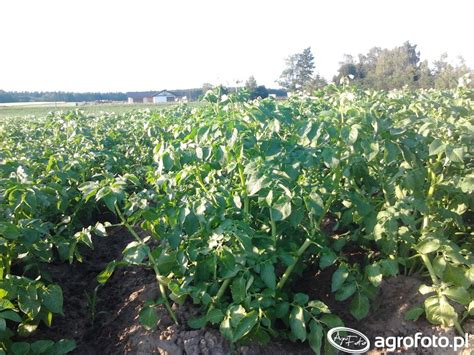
[112,326]
[386,319]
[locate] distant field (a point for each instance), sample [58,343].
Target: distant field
[43,108]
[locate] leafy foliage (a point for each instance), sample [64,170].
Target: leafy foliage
[231,197]
[401,66]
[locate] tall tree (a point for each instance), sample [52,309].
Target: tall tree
[289,76]
[254,89]
[298,74]
[306,67]
[397,67]
[447,75]
[251,83]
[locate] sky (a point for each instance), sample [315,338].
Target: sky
[102,45]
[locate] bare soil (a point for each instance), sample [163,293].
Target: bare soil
[112,326]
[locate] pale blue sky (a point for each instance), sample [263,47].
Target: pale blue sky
[102,45]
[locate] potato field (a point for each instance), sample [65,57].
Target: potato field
[273,221]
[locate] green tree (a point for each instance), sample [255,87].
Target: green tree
[348,68]
[425,76]
[317,82]
[254,89]
[260,91]
[251,83]
[447,75]
[298,74]
[398,67]
[366,66]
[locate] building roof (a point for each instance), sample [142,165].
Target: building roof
[142,94]
[165,93]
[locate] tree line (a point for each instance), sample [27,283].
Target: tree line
[43,96]
[379,68]
[382,69]
[59,96]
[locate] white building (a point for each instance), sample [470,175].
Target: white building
[148,97]
[164,96]
[140,97]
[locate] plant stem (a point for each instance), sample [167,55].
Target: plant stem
[424,228]
[273,226]
[412,268]
[290,268]
[201,183]
[246,207]
[8,263]
[430,269]
[161,286]
[429,196]
[244,190]
[434,278]
[222,289]
[307,242]
[458,327]
[219,293]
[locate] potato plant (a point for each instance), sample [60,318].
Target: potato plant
[233,197]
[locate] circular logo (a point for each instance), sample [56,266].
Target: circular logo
[349,340]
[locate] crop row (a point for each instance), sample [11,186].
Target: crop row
[233,196]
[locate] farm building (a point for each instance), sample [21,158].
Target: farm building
[149,97]
[164,96]
[140,97]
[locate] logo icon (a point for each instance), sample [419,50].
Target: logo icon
[349,340]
